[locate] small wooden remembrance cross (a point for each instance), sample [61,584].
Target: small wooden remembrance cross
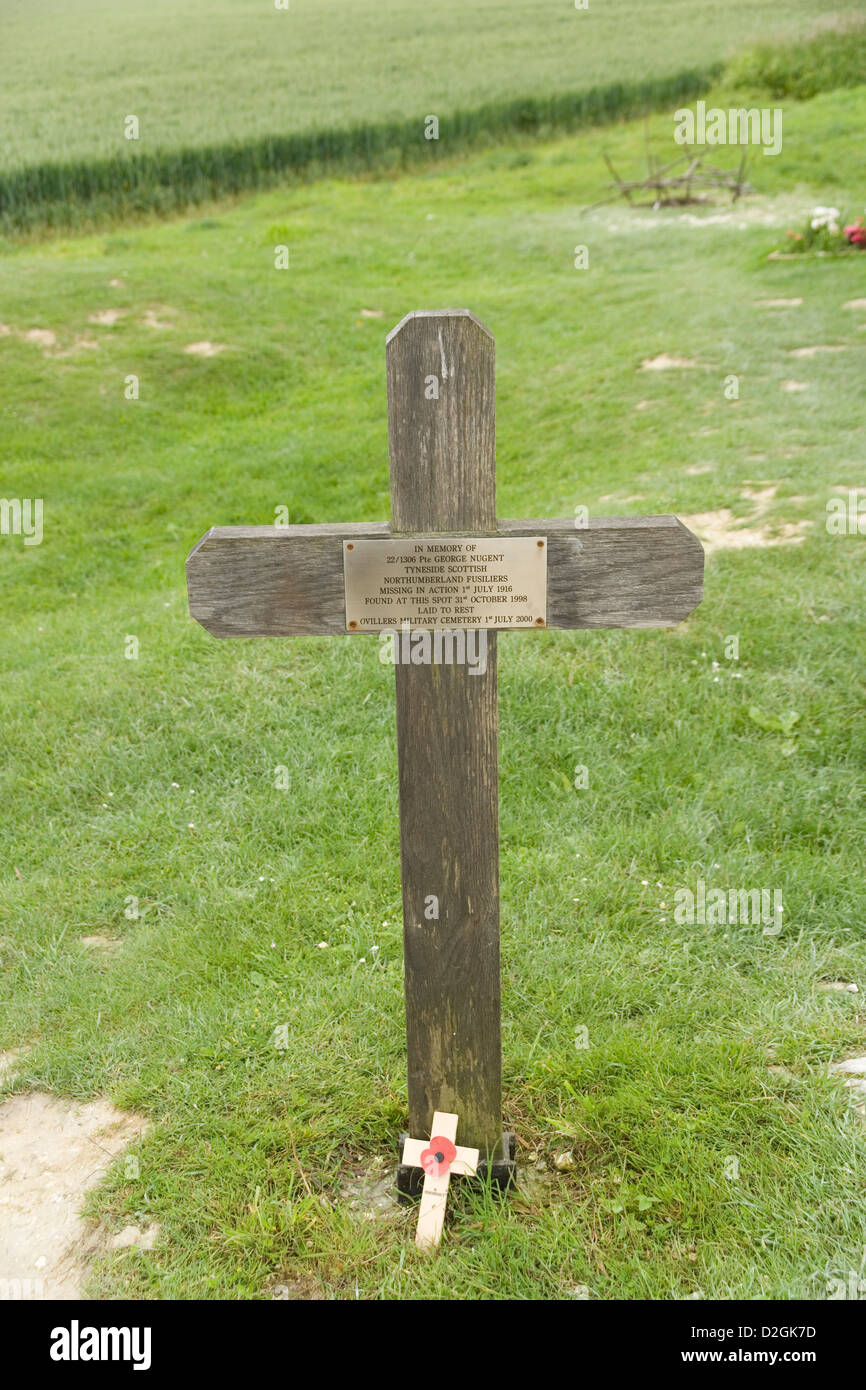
[281,581]
[438,1158]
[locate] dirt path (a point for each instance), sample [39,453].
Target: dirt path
[51,1151]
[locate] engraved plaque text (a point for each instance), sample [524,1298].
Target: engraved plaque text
[446,582]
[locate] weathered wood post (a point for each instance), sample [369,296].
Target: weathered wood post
[442,444]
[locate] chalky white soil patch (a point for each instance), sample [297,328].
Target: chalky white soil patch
[814,351]
[9,1061]
[665,362]
[302,1289]
[42,337]
[152,316]
[778,303]
[78,344]
[205,349]
[854,1072]
[52,1151]
[618,218]
[47,340]
[739,221]
[535,1180]
[98,942]
[854,304]
[371,1195]
[133,1237]
[106,317]
[795,386]
[722,530]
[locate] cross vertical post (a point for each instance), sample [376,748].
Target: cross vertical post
[442,447]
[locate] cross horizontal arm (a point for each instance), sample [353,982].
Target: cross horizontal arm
[464,1165]
[285,581]
[272,581]
[618,571]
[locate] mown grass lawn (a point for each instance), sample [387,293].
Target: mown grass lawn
[148,785]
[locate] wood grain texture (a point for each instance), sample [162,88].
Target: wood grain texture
[443,478]
[283,581]
[621,571]
[271,581]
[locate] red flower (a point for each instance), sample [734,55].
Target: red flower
[438,1158]
[855,233]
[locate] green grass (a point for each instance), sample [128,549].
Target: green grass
[154,778]
[240,95]
[831,58]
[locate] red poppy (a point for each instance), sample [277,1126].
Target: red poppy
[438,1158]
[856,233]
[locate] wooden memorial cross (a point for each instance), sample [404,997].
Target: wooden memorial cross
[282,581]
[438,1158]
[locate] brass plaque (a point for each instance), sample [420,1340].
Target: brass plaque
[442,582]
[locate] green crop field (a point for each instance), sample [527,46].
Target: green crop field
[650,1052]
[198,72]
[238,94]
